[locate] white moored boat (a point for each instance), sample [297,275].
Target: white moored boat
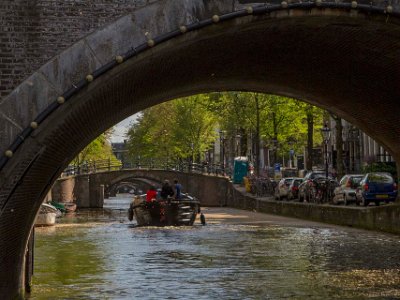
[46,215]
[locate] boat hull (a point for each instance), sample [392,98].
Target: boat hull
[164,213]
[46,219]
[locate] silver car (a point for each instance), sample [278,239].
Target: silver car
[346,191]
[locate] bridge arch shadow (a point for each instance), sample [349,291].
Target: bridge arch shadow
[135,182]
[338,56]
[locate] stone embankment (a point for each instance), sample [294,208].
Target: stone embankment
[384,218]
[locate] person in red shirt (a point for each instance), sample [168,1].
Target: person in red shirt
[151,194]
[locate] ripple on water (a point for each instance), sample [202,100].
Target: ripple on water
[113,260]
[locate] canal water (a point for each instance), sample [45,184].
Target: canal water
[101,255]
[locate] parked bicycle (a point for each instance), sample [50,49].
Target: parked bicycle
[321,190]
[261,186]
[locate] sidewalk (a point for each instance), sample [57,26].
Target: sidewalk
[227,215]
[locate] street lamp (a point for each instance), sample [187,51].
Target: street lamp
[222,144]
[291,141]
[326,135]
[192,156]
[275,150]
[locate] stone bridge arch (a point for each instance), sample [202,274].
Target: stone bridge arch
[331,54]
[110,180]
[196,184]
[134,184]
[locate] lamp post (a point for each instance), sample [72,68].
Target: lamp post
[275,150]
[191,156]
[222,143]
[326,135]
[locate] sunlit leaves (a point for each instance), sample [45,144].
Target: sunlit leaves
[179,129]
[99,149]
[185,128]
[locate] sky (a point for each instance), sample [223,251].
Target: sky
[121,129]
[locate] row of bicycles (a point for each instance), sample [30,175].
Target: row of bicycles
[261,186]
[318,190]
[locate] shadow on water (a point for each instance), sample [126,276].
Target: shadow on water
[100,255]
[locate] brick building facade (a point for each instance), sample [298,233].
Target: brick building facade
[32,32]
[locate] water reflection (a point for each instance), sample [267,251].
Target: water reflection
[99,255]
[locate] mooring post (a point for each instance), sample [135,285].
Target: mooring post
[29,260]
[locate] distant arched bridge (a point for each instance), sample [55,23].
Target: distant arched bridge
[339,55]
[88,188]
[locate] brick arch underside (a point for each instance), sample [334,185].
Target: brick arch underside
[149,177]
[130,182]
[345,62]
[114,177]
[112,184]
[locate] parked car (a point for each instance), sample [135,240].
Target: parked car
[282,189]
[294,188]
[376,187]
[346,191]
[314,174]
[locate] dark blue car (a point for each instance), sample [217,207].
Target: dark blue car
[376,187]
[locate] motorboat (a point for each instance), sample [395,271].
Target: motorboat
[66,207]
[169,212]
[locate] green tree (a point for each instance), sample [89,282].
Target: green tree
[180,130]
[194,127]
[185,128]
[150,135]
[310,135]
[99,149]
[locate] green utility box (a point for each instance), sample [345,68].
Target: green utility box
[240,168]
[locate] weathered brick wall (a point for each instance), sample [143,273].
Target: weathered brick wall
[33,31]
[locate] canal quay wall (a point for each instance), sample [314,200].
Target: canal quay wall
[384,218]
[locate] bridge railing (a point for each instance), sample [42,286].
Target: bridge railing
[91,167]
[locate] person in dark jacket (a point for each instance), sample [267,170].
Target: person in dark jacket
[166,190]
[178,189]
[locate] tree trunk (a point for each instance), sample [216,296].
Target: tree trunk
[310,137]
[257,137]
[275,137]
[339,147]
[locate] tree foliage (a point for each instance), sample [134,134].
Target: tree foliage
[284,123]
[185,128]
[99,149]
[181,129]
